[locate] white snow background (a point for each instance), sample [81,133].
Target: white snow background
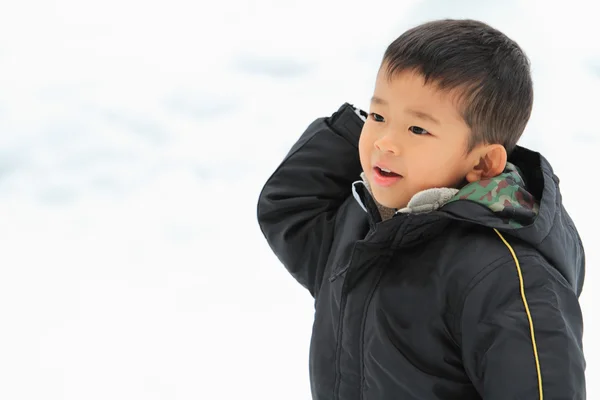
[134,140]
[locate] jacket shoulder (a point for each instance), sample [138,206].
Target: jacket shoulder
[469,253]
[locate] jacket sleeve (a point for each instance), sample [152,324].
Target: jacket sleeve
[298,205]
[503,350]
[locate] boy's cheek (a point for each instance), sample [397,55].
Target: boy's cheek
[363,153]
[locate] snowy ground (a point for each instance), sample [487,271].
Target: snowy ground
[134,139]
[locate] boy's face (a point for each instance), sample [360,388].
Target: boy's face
[417,133]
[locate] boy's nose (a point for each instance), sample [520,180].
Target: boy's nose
[386,144]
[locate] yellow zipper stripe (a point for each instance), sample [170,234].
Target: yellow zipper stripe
[524,298]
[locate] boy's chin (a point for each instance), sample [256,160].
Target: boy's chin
[389,203]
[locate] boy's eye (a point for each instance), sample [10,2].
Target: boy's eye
[418,131]
[377,117]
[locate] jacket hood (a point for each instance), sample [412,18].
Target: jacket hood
[525,202]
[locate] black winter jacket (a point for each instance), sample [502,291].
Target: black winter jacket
[433,305]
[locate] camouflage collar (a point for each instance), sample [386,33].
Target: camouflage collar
[505,195]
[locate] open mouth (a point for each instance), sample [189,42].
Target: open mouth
[386,173]
[383,177]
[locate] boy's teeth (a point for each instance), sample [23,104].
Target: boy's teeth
[385,170]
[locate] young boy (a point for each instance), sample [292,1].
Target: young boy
[442,262]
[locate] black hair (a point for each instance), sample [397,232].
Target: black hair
[490,72]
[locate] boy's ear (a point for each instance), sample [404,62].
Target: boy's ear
[490,161]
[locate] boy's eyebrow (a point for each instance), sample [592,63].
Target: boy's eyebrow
[416,113]
[423,115]
[378,100]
